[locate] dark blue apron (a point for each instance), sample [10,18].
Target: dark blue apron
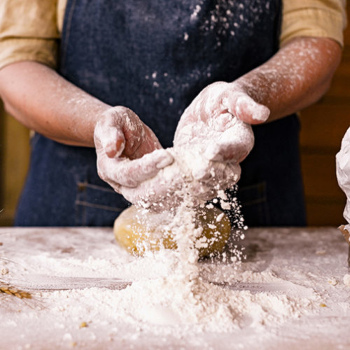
[155,57]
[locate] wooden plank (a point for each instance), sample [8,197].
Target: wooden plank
[323,126]
[320,179]
[325,214]
[14,166]
[340,83]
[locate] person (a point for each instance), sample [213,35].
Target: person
[125,73]
[343,177]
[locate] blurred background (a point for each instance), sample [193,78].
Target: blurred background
[323,126]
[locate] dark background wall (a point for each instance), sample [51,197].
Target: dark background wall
[323,127]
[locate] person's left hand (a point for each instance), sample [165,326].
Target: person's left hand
[216,124]
[218,119]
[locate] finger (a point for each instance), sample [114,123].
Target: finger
[249,111]
[110,138]
[210,101]
[224,121]
[233,145]
[161,191]
[149,143]
[154,193]
[146,196]
[130,173]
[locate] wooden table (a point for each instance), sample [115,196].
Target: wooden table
[303,259]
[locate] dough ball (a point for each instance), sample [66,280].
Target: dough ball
[139,230]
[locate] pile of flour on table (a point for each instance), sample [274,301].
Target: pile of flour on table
[185,296]
[170,294]
[172,291]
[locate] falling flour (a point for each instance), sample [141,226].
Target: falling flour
[187,297]
[172,292]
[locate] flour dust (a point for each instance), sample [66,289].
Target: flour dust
[185,296]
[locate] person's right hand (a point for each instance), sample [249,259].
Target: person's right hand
[128,152]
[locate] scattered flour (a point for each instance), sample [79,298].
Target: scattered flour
[165,305]
[186,297]
[195,12]
[180,304]
[172,293]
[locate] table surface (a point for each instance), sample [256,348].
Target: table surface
[304,260]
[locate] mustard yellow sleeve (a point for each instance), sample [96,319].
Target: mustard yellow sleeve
[28,31]
[317,18]
[61,10]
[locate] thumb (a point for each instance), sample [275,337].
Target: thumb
[249,111]
[110,138]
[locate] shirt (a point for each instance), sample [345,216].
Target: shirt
[30,30]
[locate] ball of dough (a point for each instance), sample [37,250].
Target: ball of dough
[139,230]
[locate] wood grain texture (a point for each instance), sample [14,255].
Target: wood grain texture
[14,165]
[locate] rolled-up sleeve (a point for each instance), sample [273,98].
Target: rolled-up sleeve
[28,31]
[316,18]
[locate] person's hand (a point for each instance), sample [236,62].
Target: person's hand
[128,152]
[216,125]
[218,119]
[210,141]
[184,180]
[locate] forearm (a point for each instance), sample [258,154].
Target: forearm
[297,76]
[44,101]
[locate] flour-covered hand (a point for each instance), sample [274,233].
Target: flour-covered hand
[217,126]
[219,117]
[184,178]
[128,152]
[220,98]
